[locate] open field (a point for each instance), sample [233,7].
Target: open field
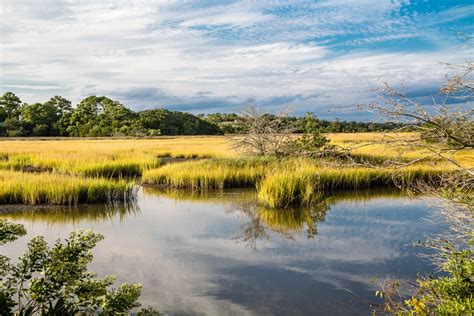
[72,171]
[106,157]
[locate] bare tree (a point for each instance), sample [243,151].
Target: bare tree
[264,134]
[441,134]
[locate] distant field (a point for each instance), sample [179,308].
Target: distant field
[24,164]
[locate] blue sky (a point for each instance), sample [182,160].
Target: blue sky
[217,56]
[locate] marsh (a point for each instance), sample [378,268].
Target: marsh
[218,252]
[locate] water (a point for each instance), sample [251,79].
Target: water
[220,254]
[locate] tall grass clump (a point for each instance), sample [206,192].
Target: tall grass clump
[115,168]
[210,174]
[302,184]
[59,189]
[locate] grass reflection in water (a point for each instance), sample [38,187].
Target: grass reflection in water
[257,222]
[94,213]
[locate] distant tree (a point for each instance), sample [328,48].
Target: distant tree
[263,133]
[3,114]
[13,127]
[99,116]
[313,143]
[11,105]
[173,123]
[40,119]
[335,126]
[64,111]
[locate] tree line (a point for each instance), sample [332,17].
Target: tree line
[99,116]
[231,124]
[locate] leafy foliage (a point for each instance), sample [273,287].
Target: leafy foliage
[11,105]
[230,124]
[313,142]
[164,122]
[55,280]
[94,116]
[99,116]
[453,294]
[102,116]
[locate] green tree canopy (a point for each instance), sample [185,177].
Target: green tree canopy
[40,119]
[11,104]
[99,116]
[64,110]
[174,123]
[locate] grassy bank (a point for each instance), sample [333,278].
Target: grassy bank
[105,157]
[67,171]
[284,183]
[210,174]
[304,183]
[58,189]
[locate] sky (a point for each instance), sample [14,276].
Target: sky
[217,56]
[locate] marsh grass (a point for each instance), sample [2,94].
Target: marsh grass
[288,182]
[106,157]
[210,174]
[58,189]
[68,171]
[87,164]
[305,183]
[379,147]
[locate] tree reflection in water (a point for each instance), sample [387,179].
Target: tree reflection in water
[260,221]
[257,222]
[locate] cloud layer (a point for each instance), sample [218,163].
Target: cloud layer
[208,56]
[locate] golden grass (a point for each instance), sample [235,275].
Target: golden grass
[106,157]
[58,189]
[303,182]
[210,174]
[370,146]
[77,164]
[131,157]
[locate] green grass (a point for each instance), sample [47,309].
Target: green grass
[59,189]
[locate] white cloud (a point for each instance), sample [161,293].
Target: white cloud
[236,51]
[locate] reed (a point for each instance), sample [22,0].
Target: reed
[68,171]
[106,157]
[304,183]
[58,189]
[210,174]
[87,164]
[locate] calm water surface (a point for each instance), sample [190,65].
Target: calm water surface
[220,254]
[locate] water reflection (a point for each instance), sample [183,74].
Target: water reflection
[218,253]
[95,213]
[258,221]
